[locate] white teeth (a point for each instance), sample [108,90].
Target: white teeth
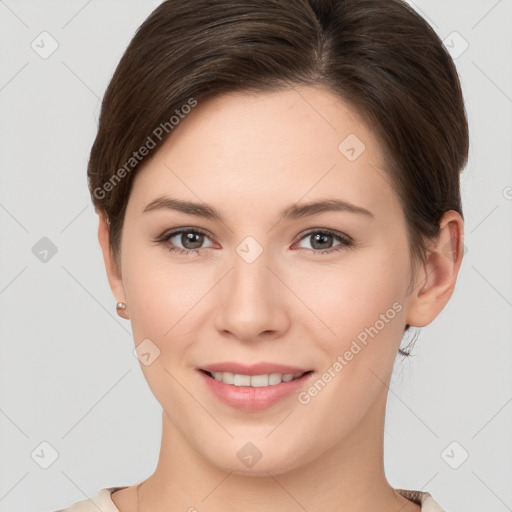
[241,380]
[256,381]
[274,378]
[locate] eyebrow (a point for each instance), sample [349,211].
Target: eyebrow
[294,211]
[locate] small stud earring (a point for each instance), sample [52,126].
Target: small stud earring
[121,309]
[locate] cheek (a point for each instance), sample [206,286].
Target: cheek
[354,294]
[169,299]
[363,315]
[162,297]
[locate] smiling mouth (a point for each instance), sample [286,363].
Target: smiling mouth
[255,381]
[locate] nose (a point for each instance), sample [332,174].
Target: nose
[252,301]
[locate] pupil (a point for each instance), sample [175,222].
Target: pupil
[321,237]
[189,237]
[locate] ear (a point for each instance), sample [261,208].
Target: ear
[435,280]
[113,271]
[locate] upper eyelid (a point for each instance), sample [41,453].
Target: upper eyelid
[178,231]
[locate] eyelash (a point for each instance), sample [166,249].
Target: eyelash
[346,241]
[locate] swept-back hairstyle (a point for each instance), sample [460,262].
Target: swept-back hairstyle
[379,56]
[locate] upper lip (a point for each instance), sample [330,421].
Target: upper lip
[252,369]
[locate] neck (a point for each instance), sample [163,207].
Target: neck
[348,477]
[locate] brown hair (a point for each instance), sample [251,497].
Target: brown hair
[379,56]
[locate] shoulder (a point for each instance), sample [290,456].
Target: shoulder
[427,502]
[101,501]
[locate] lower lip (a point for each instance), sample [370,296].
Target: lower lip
[253,398]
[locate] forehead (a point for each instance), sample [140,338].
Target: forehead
[268,148]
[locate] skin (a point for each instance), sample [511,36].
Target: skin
[250,156]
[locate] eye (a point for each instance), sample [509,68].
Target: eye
[322,240]
[191,240]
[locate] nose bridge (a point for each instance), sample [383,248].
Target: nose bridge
[251,301]
[251,279]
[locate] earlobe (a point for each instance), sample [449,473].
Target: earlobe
[435,280]
[121,310]
[112,269]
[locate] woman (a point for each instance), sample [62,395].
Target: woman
[277,185]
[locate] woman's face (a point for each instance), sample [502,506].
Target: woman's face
[320,289]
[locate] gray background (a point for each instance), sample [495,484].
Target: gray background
[68,376]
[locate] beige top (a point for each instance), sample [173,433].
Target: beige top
[102,501]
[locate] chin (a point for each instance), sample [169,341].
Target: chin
[249,460]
